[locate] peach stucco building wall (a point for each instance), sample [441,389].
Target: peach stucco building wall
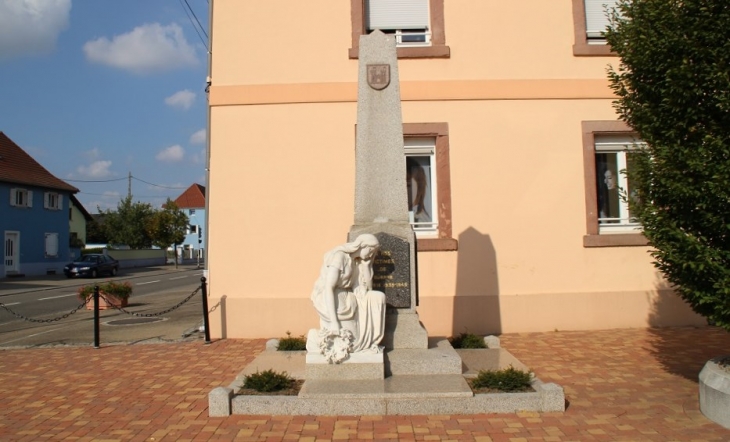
[282,133]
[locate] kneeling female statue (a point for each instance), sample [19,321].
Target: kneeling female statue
[352,315]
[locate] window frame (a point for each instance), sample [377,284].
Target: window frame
[425,147]
[581,47]
[440,131]
[27,197]
[52,197]
[437,48]
[593,238]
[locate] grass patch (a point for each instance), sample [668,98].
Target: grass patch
[467,340]
[292,343]
[508,380]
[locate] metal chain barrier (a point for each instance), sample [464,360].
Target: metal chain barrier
[43,321]
[151,315]
[212,309]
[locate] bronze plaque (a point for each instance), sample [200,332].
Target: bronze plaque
[378,76]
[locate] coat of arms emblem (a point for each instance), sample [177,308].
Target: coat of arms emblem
[378,76]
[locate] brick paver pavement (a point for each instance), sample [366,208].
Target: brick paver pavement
[622,385]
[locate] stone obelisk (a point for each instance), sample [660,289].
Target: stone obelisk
[381,201]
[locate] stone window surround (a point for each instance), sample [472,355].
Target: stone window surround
[438,48]
[445,241]
[592,237]
[581,46]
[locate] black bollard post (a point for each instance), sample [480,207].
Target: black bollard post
[206,324]
[96,316]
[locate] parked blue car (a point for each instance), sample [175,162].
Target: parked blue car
[92,265]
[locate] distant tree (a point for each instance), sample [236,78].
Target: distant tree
[673,84]
[95,233]
[167,227]
[128,224]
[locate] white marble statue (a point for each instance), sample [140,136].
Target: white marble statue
[352,315]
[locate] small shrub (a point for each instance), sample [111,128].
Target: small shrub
[292,343]
[268,381]
[508,379]
[467,340]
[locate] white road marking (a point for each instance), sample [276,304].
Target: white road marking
[54,297]
[30,336]
[197,274]
[11,303]
[148,282]
[179,277]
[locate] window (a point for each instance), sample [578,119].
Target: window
[421,183]
[428,177]
[51,245]
[21,198]
[52,201]
[612,161]
[192,211]
[408,20]
[605,156]
[192,228]
[418,25]
[589,23]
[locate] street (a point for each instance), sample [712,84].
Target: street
[153,292]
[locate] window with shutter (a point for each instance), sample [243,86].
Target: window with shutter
[21,198]
[52,201]
[408,20]
[418,25]
[589,23]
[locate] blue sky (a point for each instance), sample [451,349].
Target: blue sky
[95,89]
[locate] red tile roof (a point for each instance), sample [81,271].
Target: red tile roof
[193,198]
[17,167]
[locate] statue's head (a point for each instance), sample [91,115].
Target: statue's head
[367,245]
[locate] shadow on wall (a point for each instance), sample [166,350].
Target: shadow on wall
[681,351]
[476,300]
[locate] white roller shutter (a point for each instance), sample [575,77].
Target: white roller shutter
[596,20]
[51,244]
[397,14]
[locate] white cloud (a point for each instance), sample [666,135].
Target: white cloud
[181,99]
[171,154]
[198,137]
[199,157]
[97,169]
[31,27]
[147,48]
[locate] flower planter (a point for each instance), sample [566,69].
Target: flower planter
[114,302]
[116,293]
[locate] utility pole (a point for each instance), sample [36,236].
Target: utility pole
[129,185]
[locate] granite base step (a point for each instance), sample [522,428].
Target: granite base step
[431,395]
[407,387]
[397,394]
[439,359]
